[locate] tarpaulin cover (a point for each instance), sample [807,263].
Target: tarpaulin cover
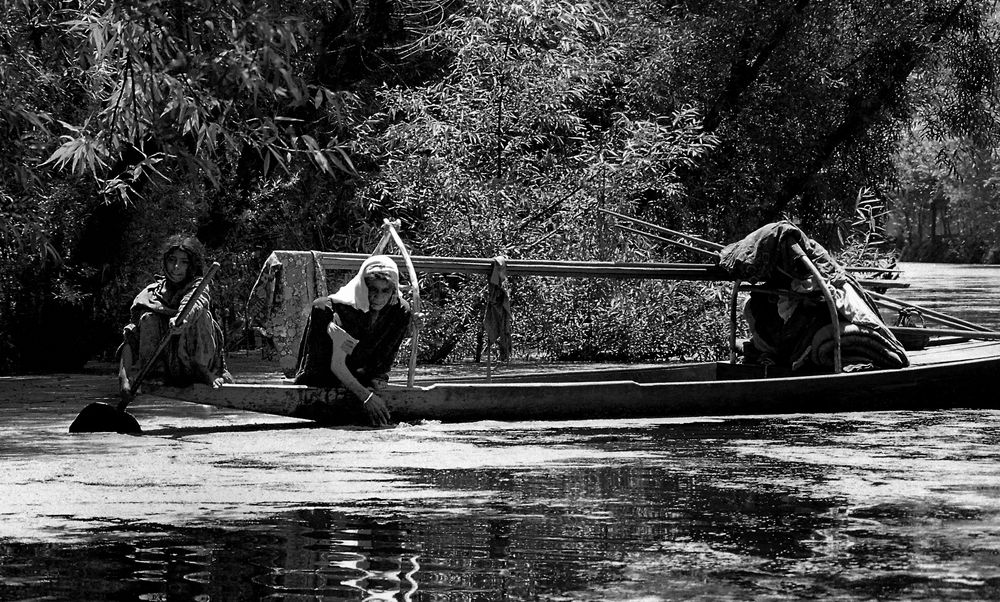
[765,255]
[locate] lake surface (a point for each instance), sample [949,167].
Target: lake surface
[221,505]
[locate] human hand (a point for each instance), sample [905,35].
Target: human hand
[340,338]
[378,412]
[175,326]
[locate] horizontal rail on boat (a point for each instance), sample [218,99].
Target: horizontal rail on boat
[536,267]
[553,267]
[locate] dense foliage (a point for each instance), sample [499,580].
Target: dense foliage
[947,207]
[488,126]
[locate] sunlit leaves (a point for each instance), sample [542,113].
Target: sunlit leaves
[528,115]
[209,79]
[529,129]
[946,205]
[79,152]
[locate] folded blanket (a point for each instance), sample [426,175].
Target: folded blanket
[858,345]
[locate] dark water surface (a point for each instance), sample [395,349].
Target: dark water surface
[222,506]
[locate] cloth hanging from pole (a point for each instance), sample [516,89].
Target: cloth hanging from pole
[498,318]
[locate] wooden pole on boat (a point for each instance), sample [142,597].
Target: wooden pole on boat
[489,360]
[383,242]
[733,300]
[830,303]
[415,292]
[930,313]
[658,238]
[713,246]
[947,332]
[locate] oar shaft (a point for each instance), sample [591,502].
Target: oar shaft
[947,332]
[930,313]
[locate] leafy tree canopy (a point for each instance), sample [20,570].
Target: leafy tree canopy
[489,126]
[149,90]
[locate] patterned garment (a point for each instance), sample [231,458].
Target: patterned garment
[278,305]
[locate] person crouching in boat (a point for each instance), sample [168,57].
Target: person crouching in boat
[195,353]
[353,335]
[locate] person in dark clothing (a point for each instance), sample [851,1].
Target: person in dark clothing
[352,336]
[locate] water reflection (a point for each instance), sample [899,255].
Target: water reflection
[969,292]
[722,510]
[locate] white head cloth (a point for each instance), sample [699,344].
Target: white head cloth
[355,292]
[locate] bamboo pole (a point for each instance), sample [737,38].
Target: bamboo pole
[415,298]
[928,313]
[666,240]
[549,267]
[592,269]
[714,246]
[733,302]
[947,332]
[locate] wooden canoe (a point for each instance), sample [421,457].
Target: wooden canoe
[958,375]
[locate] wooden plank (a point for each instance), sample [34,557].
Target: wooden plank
[956,352]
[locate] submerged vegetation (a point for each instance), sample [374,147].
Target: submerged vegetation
[488,127]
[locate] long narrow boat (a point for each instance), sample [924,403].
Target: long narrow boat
[954,371]
[941,376]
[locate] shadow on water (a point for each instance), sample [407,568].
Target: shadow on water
[191,431]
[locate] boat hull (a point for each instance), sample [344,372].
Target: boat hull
[958,377]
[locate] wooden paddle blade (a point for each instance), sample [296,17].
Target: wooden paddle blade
[100,417]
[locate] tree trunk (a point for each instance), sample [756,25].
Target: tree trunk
[934,224]
[862,111]
[744,72]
